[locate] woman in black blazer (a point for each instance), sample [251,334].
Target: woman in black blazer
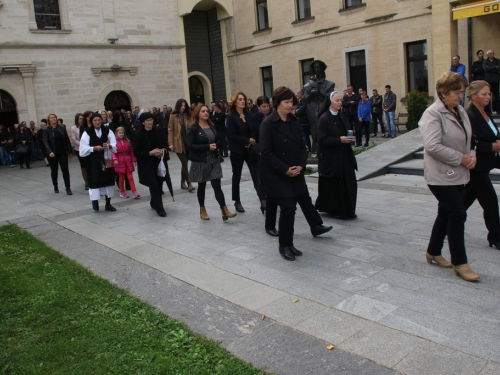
[203,144]
[337,186]
[284,158]
[23,137]
[241,135]
[486,139]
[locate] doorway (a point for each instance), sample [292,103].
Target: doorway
[8,109]
[357,70]
[196,91]
[117,100]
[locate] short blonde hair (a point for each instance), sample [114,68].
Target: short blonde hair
[477,86]
[448,82]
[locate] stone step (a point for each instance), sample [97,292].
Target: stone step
[418,155]
[415,167]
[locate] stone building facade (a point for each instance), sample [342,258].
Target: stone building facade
[102,53]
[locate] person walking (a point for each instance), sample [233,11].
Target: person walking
[124,161]
[284,158]
[487,144]
[75,142]
[337,186]
[448,158]
[149,147]
[58,149]
[242,136]
[204,150]
[101,173]
[389,108]
[177,142]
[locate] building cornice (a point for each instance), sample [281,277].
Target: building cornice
[90,46]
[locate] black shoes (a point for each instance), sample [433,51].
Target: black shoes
[108,206]
[496,244]
[56,189]
[161,213]
[287,253]
[28,166]
[295,251]
[343,217]
[95,206]
[68,191]
[238,206]
[86,187]
[272,232]
[320,229]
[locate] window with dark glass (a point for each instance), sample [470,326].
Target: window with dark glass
[262,15]
[416,66]
[47,14]
[305,70]
[267,81]
[352,3]
[303,9]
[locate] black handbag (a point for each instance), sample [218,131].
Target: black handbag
[254,151]
[21,149]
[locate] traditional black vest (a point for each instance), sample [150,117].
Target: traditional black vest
[98,175]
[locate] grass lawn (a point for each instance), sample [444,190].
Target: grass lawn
[56,317]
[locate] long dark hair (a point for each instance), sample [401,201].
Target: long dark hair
[116,118]
[77,116]
[177,109]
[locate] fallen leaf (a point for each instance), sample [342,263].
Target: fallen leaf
[247,326]
[330,347]
[263,317]
[373,228]
[295,300]
[183,314]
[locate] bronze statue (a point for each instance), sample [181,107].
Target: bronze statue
[315,92]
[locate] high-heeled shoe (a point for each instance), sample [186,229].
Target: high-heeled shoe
[496,244]
[238,206]
[438,259]
[466,273]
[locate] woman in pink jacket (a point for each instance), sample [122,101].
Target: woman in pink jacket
[125,162]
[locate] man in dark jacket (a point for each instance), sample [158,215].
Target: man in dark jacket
[492,76]
[301,114]
[263,111]
[376,104]
[350,106]
[477,67]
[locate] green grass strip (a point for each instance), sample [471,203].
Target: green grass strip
[56,317]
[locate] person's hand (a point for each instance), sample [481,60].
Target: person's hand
[115,162]
[472,162]
[70,156]
[97,148]
[135,164]
[213,146]
[361,119]
[252,141]
[293,171]
[171,147]
[496,146]
[51,155]
[344,139]
[105,145]
[468,161]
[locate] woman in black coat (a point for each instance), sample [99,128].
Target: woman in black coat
[203,143]
[22,142]
[486,140]
[241,135]
[149,145]
[337,186]
[57,148]
[284,157]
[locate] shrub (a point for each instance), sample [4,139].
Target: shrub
[417,104]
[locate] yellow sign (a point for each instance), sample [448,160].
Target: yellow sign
[480,8]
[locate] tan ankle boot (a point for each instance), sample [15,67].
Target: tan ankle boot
[183,185]
[466,273]
[191,188]
[203,213]
[439,260]
[226,213]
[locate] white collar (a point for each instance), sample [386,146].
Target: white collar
[334,113]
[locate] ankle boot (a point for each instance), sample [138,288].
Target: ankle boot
[466,273]
[191,187]
[183,185]
[226,213]
[203,213]
[108,206]
[95,206]
[438,259]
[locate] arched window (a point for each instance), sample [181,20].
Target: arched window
[8,109]
[117,100]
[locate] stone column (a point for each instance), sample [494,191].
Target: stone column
[29,91]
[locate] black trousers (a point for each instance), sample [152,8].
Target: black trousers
[495,99]
[184,169]
[219,195]
[223,142]
[377,119]
[481,188]
[363,127]
[24,158]
[155,186]
[450,221]
[288,206]
[237,161]
[54,163]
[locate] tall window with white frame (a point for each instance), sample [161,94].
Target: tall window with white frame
[352,3]
[262,15]
[303,9]
[267,80]
[305,70]
[416,66]
[47,14]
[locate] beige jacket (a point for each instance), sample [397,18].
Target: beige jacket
[174,133]
[445,143]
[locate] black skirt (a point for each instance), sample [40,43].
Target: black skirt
[337,195]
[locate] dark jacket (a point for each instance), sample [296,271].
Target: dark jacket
[143,143]
[257,119]
[219,120]
[163,119]
[482,139]
[390,101]
[238,132]
[198,144]
[350,109]
[376,103]
[477,70]
[301,113]
[282,147]
[331,150]
[24,136]
[492,70]
[49,141]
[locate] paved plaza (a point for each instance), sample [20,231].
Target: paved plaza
[364,287]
